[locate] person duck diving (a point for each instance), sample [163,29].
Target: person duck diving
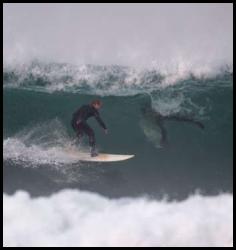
[159,119]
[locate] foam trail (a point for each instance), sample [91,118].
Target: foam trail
[46,143]
[34,155]
[74,218]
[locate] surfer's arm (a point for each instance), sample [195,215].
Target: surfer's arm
[100,121]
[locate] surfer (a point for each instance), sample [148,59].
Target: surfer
[80,126]
[149,112]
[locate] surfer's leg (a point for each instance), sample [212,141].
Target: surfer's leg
[91,136]
[79,132]
[92,141]
[185,119]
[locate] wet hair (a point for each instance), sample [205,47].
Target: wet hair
[96,102]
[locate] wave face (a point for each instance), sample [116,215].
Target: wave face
[39,100]
[68,217]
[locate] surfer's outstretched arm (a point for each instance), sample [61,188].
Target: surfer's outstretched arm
[184,119]
[100,121]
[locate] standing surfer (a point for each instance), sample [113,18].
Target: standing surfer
[81,127]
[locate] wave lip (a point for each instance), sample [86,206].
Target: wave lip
[74,218]
[103,80]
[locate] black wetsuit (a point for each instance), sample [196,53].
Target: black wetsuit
[80,125]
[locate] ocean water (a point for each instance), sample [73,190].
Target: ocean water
[37,132]
[180,194]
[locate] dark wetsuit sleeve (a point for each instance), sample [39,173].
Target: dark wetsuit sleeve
[99,120]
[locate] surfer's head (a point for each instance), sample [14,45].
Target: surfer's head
[97,104]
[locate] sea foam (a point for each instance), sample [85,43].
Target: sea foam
[82,219]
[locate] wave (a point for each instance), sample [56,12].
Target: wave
[37,130]
[83,219]
[104,80]
[177,69]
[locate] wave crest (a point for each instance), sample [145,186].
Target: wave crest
[101,80]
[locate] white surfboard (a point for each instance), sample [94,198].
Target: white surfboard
[102,157]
